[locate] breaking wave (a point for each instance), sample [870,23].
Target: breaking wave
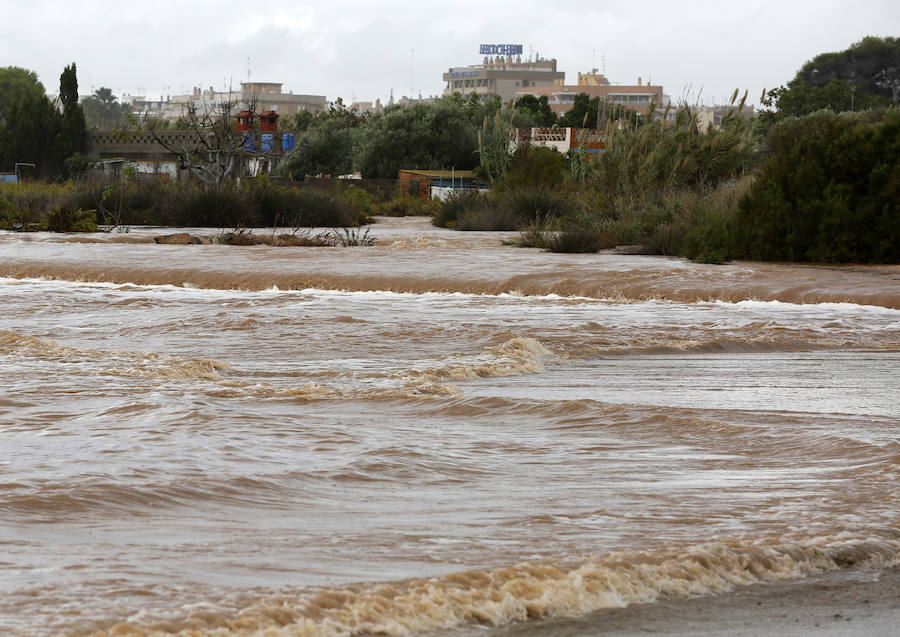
[534,590]
[514,357]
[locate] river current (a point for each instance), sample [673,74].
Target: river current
[437,432]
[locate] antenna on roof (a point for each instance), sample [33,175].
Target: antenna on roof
[248,70]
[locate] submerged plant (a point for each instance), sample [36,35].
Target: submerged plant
[352,237]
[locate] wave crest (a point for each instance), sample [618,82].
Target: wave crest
[544,590]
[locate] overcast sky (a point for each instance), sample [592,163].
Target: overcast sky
[362,50]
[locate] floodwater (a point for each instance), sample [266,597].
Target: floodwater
[437,432]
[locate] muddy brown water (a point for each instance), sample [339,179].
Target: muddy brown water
[437,432]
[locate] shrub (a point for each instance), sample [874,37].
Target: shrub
[64,219]
[457,205]
[829,192]
[404,205]
[8,217]
[358,200]
[536,167]
[531,204]
[488,218]
[352,237]
[567,235]
[315,207]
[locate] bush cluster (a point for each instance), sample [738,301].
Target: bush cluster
[506,209]
[253,203]
[829,192]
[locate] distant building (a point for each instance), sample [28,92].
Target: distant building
[269,97]
[437,184]
[559,139]
[561,98]
[503,74]
[592,79]
[366,107]
[266,96]
[712,115]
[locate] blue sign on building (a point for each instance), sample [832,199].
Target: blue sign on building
[501,49]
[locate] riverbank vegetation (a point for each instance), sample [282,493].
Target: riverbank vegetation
[68,206]
[815,177]
[811,182]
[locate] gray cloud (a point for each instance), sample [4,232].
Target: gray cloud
[366,49]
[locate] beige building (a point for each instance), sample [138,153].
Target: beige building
[711,116]
[267,96]
[561,98]
[503,75]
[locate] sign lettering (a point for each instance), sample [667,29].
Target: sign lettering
[500,49]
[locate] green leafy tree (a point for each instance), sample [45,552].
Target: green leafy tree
[829,191]
[586,110]
[424,136]
[538,108]
[864,76]
[297,123]
[29,123]
[325,145]
[583,113]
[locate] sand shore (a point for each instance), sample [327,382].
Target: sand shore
[856,602]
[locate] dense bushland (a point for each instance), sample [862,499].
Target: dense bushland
[653,187]
[829,192]
[823,188]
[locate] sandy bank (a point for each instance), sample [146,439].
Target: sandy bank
[855,602]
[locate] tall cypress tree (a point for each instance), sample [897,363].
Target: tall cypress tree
[71,138]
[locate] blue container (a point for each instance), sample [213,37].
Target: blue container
[287,142]
[248,143]
[265,143]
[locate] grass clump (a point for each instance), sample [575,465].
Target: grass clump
[405,205]
[567,235]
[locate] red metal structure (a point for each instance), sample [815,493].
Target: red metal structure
[268,122]
[244,121]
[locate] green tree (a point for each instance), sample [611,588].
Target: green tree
[829,191]
[538,108]
[583,113]
[71,138]
[586,110]
[29,123]
[325,145]
[424,136]
[297,123]
[864,76]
